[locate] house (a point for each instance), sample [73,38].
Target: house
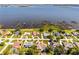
[35,33]
[76,44]
[5,33]
[69,45]
[41,45]
[27,33]
[10,43]
[1,41]
[57,34]
[46,34]
[16,44]
[28,44]
[75,33]
[17,33]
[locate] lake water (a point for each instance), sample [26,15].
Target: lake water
[40,12]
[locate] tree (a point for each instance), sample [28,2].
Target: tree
[58,38]
[29,52]
[41,31]
[77,30]
[48,50]
[2,44]
[58,50]
[74,22]
[17,29]
[74,51]
[32,50]
[50,30]
[49,37]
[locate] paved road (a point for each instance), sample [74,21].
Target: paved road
[11,39]
[6,45]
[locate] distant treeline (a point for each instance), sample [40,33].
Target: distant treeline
[39,24]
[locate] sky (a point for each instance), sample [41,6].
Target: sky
[48,12]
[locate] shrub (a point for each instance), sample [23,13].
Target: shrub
[29,52]
[58,50]
[48,50]
[32,50]
[74,51]
[2,44]
[49,37]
